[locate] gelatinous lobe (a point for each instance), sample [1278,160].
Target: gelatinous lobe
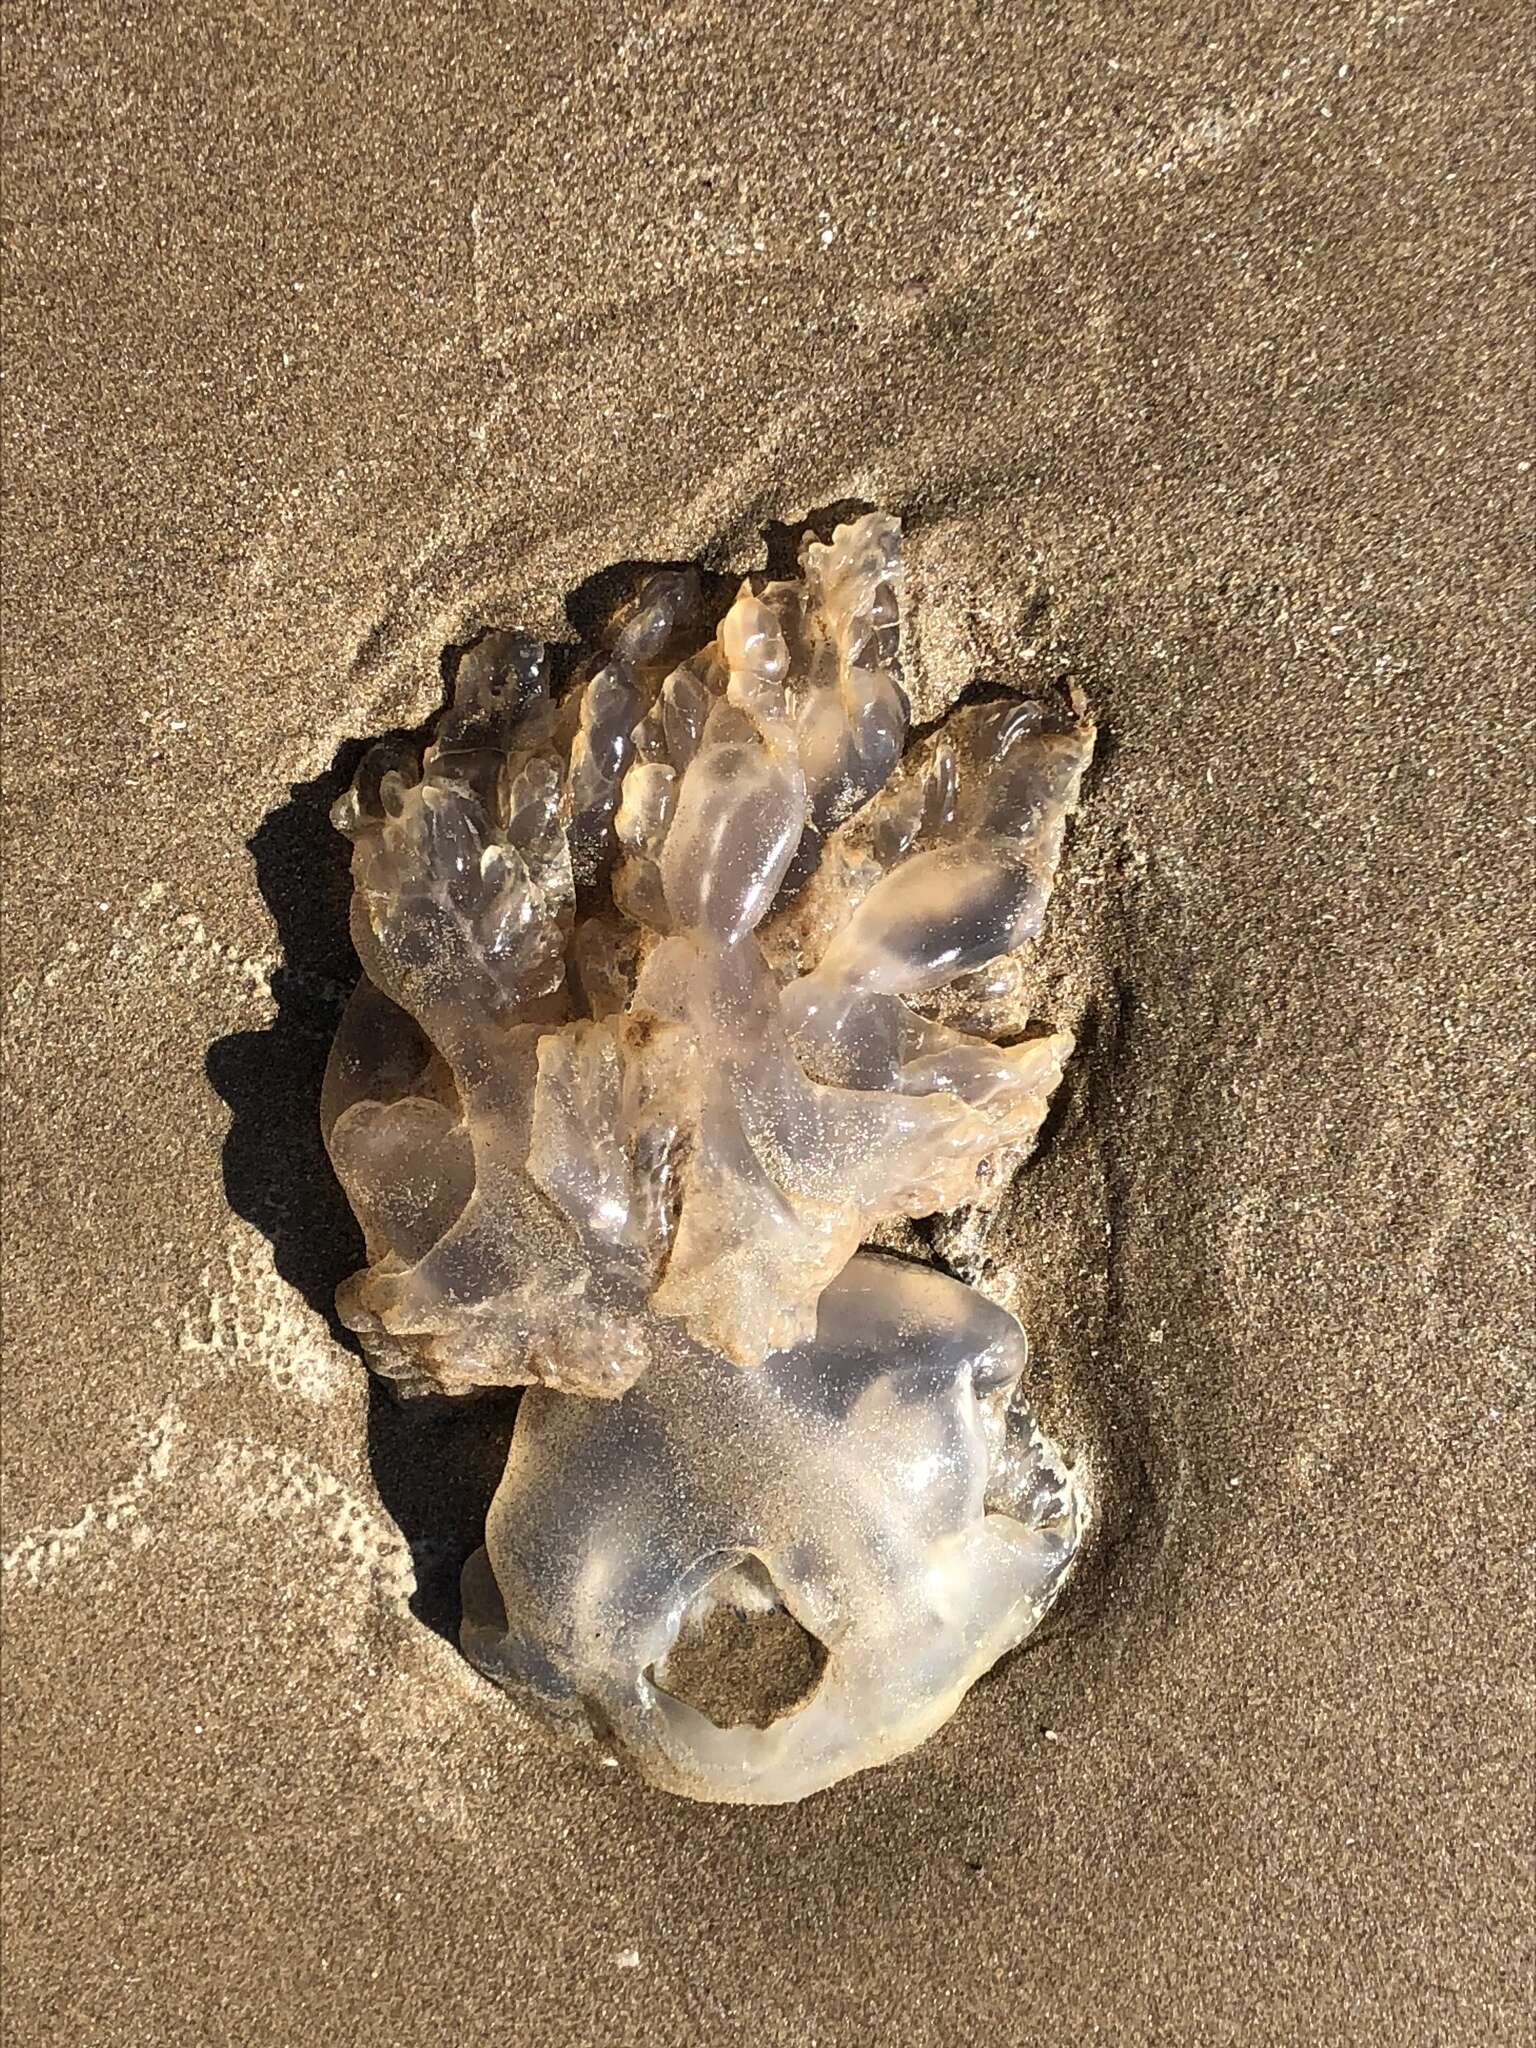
[663,1012]
[903,1515]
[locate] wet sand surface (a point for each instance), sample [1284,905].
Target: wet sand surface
[1192,351]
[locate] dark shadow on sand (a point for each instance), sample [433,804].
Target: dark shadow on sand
[436,1463]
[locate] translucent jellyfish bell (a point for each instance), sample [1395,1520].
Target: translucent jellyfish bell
[901,1505]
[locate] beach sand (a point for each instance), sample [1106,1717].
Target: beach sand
[1191,350]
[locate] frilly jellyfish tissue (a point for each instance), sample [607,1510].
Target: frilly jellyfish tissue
[678,984]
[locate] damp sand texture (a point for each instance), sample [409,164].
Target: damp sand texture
[1191,352]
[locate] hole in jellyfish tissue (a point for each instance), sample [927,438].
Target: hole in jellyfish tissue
[740,1657]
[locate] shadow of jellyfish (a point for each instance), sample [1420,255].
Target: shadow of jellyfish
[436,1463]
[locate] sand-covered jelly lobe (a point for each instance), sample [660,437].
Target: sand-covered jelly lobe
[664,1011]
